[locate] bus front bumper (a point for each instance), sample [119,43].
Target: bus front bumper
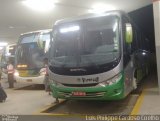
[32,80]
[111,92]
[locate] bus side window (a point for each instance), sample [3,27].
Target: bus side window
[139,40]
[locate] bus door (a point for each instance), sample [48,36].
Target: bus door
[128,58]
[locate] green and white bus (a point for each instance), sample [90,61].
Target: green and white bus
[32,48]
[97,57]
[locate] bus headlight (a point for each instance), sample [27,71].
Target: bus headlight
[55,82]
[42,71]
[16,73]
[111,81]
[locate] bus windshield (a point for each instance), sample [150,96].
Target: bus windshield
[87,42]
[31,49]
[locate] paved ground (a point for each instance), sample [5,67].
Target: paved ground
[24,102]
[122,107]
[151,99]
[33,102]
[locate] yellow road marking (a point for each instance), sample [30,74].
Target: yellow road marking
[42,111]
[135,110]
[62,115]
[138,104]
[39,112]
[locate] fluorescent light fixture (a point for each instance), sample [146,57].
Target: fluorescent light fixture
[1,48]
[11,48]
[100,8]
[11,27]
[70,29]
[3,44]
[40,5]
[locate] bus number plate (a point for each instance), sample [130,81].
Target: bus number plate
[78,93]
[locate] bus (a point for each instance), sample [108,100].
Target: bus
[97,57]
[8,52]
[32,48]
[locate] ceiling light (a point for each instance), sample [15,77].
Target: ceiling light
[1,48]
[100,8]
[11,27]
[3,44]
[40,5]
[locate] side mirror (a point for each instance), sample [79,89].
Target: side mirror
[128,33]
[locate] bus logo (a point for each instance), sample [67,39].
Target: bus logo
[88,80]
[77,69]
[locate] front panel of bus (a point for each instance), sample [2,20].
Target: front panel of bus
[85,59]
[31,50]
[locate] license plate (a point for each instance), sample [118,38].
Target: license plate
[78,93]
[29,80]
[23,73]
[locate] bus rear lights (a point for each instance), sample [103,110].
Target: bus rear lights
[111,81]
[22,66]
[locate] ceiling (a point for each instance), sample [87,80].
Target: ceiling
[15,18]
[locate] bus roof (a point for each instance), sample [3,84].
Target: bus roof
[38,31]
[86,16]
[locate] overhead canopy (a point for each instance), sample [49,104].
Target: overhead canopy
[15,18]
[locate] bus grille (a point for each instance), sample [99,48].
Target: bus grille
[88,94]
[80,85]
[28,73]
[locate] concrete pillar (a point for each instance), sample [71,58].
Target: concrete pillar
[156,10]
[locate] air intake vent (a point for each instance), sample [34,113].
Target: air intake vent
[80,85]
